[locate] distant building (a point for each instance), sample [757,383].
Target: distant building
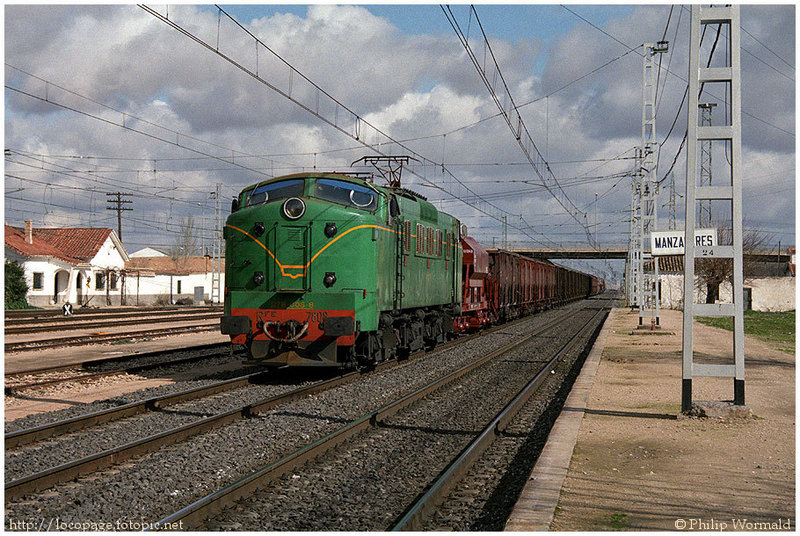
[148,252]
[768,286]
[164,279]
[75,265]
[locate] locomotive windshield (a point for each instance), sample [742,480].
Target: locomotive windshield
[346,193]
[274,191]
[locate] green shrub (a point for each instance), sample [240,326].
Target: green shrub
[16,287]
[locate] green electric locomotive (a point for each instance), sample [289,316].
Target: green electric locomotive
[334,270]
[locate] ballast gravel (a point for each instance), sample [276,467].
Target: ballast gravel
[39,419]
[485,497]
[367,483]
[160,483]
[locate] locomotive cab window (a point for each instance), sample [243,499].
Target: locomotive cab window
[274,191]
[346,193]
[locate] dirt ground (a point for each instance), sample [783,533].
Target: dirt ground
[637,467]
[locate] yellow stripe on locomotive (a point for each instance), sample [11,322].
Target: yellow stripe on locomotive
[326,269]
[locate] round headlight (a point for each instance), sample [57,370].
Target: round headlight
[293,208]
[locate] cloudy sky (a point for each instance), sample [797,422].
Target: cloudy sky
[112,99]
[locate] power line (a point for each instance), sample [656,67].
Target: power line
[680,77]
[513,117]
[119,202]
[340,117]
[769,49]
[671,54]
[606,64]
[93,177]
[593,25]
[125,122]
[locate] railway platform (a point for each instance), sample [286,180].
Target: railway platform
[620,457]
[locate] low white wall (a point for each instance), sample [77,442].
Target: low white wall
[148,289]
[768,293]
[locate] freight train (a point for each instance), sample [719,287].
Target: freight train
[332,270]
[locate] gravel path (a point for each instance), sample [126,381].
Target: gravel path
[175,476]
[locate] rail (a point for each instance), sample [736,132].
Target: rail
[415,515]
[198,511]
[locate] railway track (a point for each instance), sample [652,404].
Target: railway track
[195,514]
[112,362]
[249,415]
[70,470]
[421,510]
[107,321]
[55,315]
[98,338]
[72,374]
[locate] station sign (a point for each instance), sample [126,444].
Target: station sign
[672,242]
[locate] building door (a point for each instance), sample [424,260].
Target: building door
[748,298]
[60,287]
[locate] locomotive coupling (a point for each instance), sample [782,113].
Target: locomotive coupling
[289,331]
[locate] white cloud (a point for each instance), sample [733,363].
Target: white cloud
[410,86]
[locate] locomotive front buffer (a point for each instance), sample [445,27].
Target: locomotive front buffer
[277,337]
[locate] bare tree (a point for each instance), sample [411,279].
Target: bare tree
[185,244]
[711,273]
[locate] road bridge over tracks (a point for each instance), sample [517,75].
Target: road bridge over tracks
[619,252]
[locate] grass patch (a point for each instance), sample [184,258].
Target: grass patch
[776,329]
[618,521]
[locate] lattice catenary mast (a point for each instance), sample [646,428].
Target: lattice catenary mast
[648,280]
[730,74]
[216,259]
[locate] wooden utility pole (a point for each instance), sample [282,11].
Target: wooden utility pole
[119,202]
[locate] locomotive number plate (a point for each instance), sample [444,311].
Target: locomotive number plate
[301,305]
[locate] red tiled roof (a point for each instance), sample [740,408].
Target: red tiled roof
[83,243]
[15,239]
[667,264]
[168,265]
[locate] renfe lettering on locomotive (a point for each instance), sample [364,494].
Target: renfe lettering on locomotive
[672,242]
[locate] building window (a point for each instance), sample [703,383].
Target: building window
[99,281]
[38,280]
[179,286]
[113,281]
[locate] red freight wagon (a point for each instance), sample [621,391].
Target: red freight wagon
[519,285]
[499,285]
[474,274]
